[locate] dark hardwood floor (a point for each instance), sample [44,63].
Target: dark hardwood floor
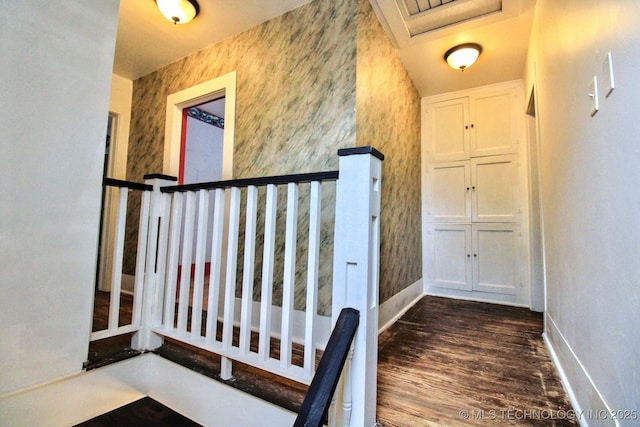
[458,363]
[110,350]
[273,388]
[444,363]
[145,412]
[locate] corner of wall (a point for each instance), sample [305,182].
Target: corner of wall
[388,118]
[396,306]
[93,393]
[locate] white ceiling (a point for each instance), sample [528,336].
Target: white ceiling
[504,37]
[147,41]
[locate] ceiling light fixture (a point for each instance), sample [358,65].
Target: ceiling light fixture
[463,56]
[178,11]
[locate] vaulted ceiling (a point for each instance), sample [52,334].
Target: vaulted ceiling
[421,31]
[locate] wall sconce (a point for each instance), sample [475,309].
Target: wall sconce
[178,11]
[463,56]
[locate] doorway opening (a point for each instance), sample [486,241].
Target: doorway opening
[199,138]
[538,276]
[202,142]
[105,243]
[207,93]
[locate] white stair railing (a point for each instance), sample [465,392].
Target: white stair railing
[196,268]
[116,325]
[187,272]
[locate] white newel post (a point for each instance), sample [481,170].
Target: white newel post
[356,272]
[151,293]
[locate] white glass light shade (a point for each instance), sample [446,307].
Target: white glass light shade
[178,11]
[463,56]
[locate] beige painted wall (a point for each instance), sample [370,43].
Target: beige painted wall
[61,56]
[590,175]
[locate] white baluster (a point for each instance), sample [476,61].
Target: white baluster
[175,227]
[247,278]
[216,265]
[118,253]
[347,391]
[289,274]
[141,258]
[271,204]
[230,283]
[162,262]
[333,413]
[198,279]
[312,279]
[187,250]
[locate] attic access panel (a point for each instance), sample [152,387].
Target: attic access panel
[421,16]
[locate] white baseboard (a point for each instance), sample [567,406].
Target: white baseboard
[86,395]
[393,308]
[587,402]
[487,297]
[388,312]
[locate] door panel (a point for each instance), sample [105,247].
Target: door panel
[445,130]
[494,121]
[494,189]
[494,258]
[449,186]
[449,256]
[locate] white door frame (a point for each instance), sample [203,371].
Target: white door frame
[538,269]
[120,111]
[204,92]
[109,202]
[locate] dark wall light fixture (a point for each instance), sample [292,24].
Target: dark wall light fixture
[178,11]
[463,56]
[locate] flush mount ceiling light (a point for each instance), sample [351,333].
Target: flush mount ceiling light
[463,56]
[178,11]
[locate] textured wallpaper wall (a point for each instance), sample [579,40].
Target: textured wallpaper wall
[300,78]
[388,118]
[295,92]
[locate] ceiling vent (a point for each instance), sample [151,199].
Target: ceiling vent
[421,16]
[406,21]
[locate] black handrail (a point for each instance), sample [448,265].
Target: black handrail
[261,181]
[112,182]
[314,409]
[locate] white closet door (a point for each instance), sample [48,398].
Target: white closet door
[449,256]
[494,122]
[449,186]
[494,189]
[494,254]
[445,129]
